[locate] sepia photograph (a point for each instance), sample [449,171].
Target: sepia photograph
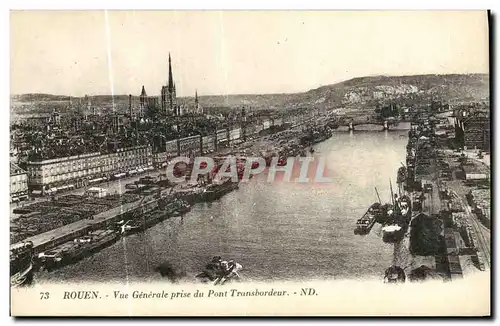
[250,163]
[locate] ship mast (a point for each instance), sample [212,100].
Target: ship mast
[378,196]
[392,193]
[400,190]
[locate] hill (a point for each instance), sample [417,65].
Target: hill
[363,93]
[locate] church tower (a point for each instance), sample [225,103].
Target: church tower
[142,101]
[197,107]
[168,92]
[169,96]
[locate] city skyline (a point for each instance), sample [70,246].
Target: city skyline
[210,56]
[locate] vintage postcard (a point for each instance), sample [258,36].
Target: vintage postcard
[250,163]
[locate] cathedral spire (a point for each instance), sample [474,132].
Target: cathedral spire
[143,92]
[196,97]
[170,75]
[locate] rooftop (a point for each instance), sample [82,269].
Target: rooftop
[15,169]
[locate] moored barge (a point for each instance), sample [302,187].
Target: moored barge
[21,264]
[366,222]
[175,207]
[79,248]
[215,191]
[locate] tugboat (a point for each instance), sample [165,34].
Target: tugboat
[21,264]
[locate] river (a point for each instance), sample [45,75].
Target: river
[280,231]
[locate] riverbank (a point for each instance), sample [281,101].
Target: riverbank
[144,202]
[445,241]
[276,231]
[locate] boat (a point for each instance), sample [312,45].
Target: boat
[219,272]
[148,180]
[131,186]
[212,271]
[132,226]
[215,191]
[77,249]
[366,222]
[402,174]
[189,193]
[174,207]
[398,218]
[315,137]
[319,137]
[394,274]
[392,233]
[375,213]
[21,264]
[142,223]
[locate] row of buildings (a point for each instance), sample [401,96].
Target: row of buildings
[45,177]
[143,106]
[467,127]
[473,129]
[61,152]
[82,129]
[50,176]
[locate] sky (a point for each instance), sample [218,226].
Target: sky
[235,52]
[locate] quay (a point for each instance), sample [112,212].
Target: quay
[446,238]
[272,144]
[68,232]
